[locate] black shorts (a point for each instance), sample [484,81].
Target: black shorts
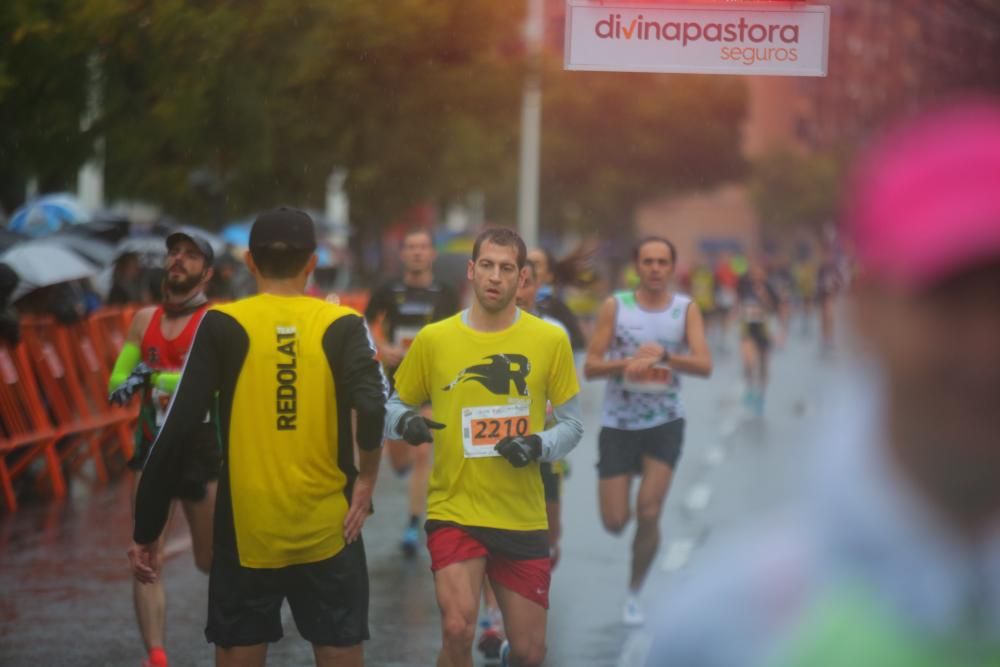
[200,461]
[621,451]
[329,601]
[551,481]
[757,332]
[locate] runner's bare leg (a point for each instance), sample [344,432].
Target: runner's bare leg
[458,587]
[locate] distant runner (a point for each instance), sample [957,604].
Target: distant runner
[642,341]
[829,282]
[758,301]
[403,306]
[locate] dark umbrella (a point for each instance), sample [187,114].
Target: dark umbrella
[95,251]
[9,238]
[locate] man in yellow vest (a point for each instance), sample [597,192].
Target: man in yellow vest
[288,370]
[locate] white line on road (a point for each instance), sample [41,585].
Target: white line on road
[730,425]
[715,455]
[677,555]
[636,649]
[698,497]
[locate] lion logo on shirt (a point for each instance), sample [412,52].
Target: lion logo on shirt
[497,375]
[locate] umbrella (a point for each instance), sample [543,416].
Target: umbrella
[237,234]
[48,214]
[9,238]
[103,226]
[42,263]
[152,250]
[99,253]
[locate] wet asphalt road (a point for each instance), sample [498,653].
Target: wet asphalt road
[65,591]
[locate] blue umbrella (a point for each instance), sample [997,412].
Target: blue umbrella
[324,257]
[47,215]
[237,234]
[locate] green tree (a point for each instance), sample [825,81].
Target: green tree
[791,189]
[258,101]
[43,94]
[612,140]
[184,102]
[266,97]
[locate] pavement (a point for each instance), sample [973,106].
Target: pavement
[65,589]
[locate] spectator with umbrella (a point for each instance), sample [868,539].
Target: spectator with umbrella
[49,280]
[48,214]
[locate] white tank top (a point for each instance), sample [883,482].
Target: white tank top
[633,406]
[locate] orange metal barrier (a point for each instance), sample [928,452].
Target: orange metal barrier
[53,396]
[69,374]
[28,431]
[107,328]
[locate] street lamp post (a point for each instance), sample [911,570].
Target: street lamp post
[531,127]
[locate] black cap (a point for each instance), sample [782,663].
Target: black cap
[283,228]
[204,246]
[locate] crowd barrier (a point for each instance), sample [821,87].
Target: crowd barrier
[54,399]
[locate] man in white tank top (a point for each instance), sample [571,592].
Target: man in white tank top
[642,341]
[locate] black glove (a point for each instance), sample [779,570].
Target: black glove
[416,429]
[520,450]
[138,379]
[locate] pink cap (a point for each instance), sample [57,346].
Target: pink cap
[926,201]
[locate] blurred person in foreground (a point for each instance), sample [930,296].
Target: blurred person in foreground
[286,371]
[894,558]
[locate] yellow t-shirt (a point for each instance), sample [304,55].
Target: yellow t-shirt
[484,386]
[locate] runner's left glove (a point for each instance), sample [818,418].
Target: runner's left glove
[520,450]
[137,380]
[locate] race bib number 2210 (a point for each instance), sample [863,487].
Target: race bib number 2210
[483,427]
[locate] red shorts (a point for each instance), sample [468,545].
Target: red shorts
[528,577]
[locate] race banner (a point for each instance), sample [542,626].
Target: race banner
[776,38]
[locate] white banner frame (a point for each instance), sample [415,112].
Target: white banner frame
[635,55]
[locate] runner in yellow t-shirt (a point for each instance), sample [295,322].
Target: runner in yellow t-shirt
[488,373]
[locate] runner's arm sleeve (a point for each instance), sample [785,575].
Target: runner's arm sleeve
[394,411]
[128,358]
[166,381]
[194,396]
[565,434]
[358,377]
